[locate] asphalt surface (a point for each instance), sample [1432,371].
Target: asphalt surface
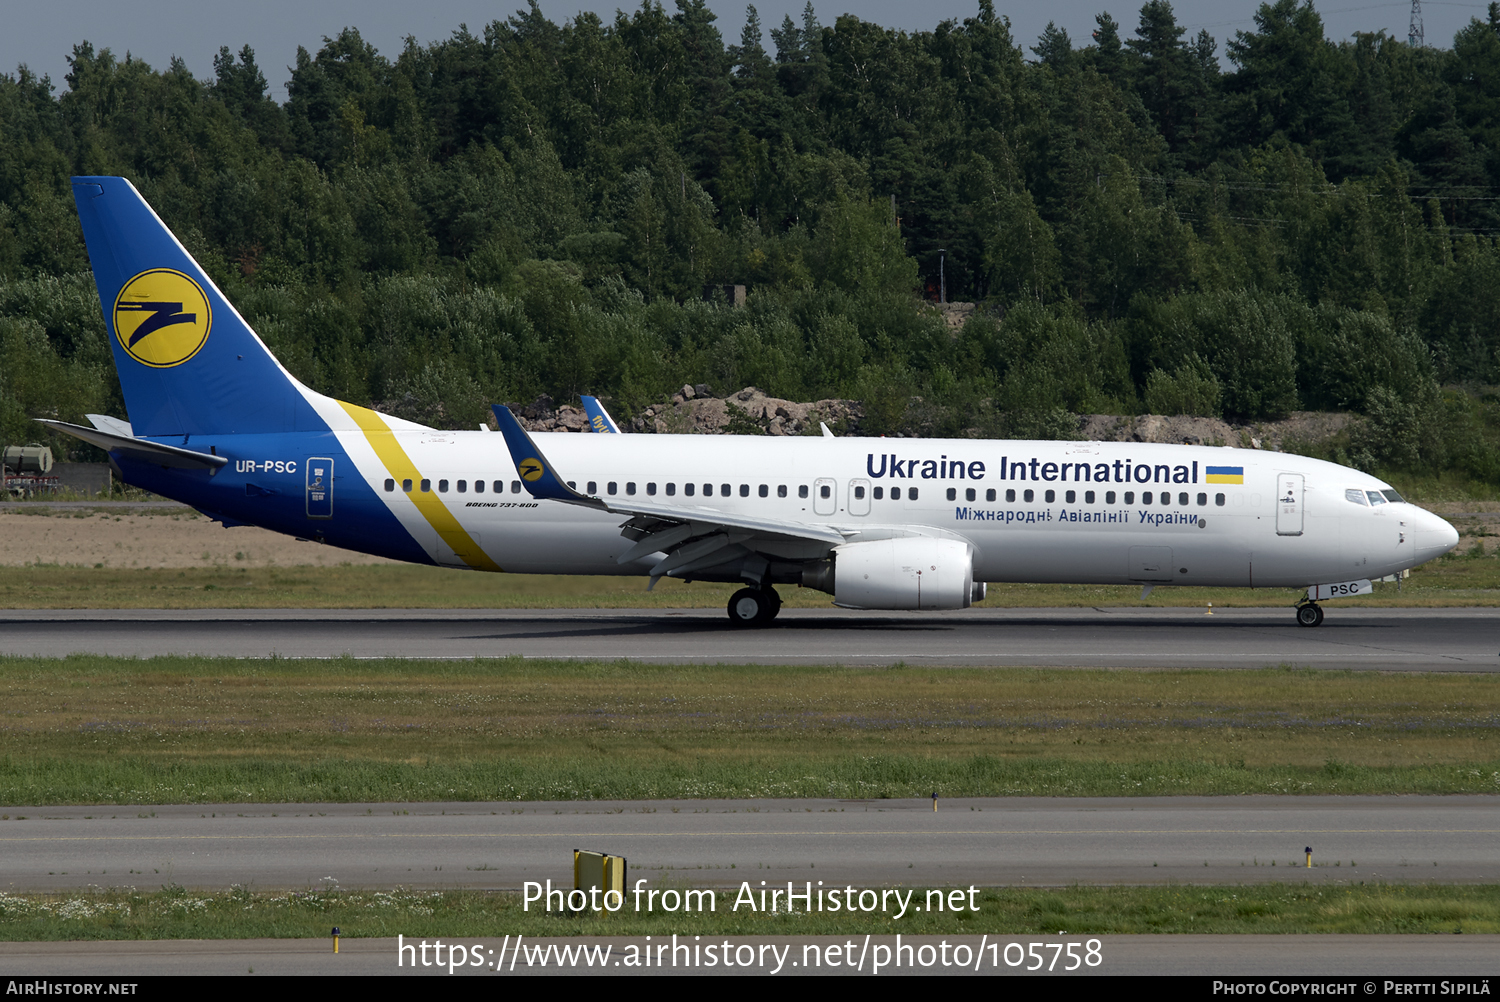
[1466,640]
[1365,960]
[986,842]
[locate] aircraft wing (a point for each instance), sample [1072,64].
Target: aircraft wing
[599,419]
[692,536]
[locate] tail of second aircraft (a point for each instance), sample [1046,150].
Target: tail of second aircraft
[188,362]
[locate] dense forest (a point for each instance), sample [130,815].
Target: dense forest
[1147,223]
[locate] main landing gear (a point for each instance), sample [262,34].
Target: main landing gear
[1309,614]
[754,606]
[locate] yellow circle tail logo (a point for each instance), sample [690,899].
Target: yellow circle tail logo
[162,318]
[531,469]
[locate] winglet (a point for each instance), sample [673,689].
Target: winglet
[826,432]
[537,474]
[599,419]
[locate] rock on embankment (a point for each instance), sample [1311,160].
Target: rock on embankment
[693,410]
[1299,428]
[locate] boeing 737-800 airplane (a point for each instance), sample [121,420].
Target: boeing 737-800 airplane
[217,422]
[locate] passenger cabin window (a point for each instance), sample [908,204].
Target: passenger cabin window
[725,490]
[1088,497]
[953,494]
[802,491]
[593,487]
[406,486]
[1202,500]
[825,492]
[1028,496]
[1219,500]
[744,490]
[878,493]
[970,494]
[1145,497]
[765,491]
[442,487]
[1182,499]
[515,486]
[989,495]
[1130,497]
[1070,497]
[463,486]
[426,486]
[390,485]
[1358,497]
[688,489]
[1376,498]
[1051,496]
[651,490]
[612,487]
[479,487]
[671,490]
[630,487]
[911,494]
[859,493]
[1166,498]
[708,490]
[781,491]
[499,486]
[1010,495]
[895,494]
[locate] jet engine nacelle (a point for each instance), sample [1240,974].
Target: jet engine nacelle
[909,573]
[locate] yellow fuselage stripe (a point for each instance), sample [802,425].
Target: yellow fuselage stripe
[399,465]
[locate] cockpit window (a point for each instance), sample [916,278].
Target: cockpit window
[1358,497]
[1393,496]
[1376,497]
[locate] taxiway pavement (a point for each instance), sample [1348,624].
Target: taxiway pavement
[1466,640]
[1206,956]
[981,841]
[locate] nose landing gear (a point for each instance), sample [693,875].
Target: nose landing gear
[1309,614]
[754,606]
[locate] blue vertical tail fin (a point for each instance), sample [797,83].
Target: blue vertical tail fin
[188,362]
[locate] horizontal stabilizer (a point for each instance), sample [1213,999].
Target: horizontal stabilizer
[111,424]
[140,449]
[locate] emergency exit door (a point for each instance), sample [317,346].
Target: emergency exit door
[1288,504]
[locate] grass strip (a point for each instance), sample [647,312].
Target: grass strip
[133,780]
[238,913]
[93,729]
[1450,581]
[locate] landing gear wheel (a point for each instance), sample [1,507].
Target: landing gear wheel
[1310,614]
[751,607]
[775,604]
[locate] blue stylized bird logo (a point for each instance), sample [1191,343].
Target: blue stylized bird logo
[162,315]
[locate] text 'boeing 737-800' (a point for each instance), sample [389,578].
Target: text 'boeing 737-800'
[217,422]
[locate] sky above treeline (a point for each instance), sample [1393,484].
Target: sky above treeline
[41,36]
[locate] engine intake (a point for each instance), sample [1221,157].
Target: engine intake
[909,573]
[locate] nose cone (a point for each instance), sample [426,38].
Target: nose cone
[1434,537]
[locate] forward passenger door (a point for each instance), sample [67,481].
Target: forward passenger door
[1289,504]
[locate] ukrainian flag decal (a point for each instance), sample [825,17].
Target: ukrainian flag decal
[1224,474]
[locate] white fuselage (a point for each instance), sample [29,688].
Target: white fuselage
[1246,534]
